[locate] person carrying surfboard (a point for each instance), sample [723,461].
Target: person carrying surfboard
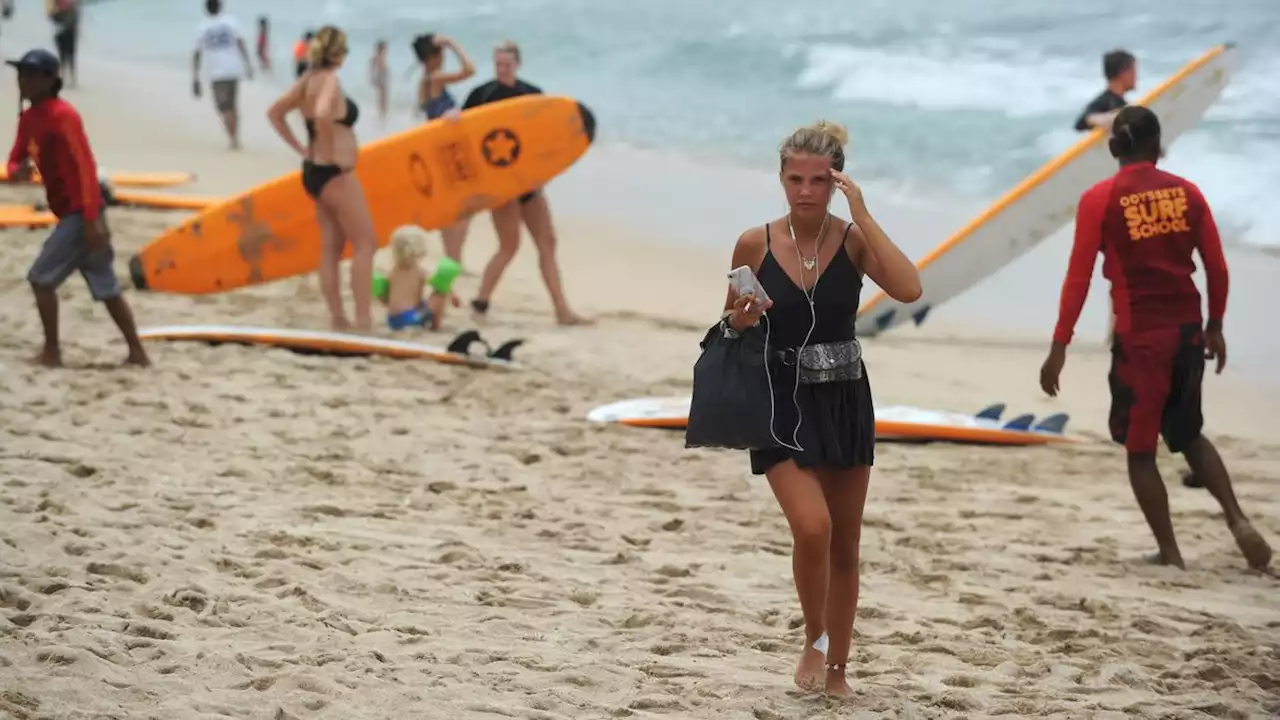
[51,135]
[219,41]
[1120,68]
[811,264]
[532,208]
[328,163]
[1148,223]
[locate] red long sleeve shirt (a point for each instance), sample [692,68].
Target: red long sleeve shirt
[50,133]
[1146,223]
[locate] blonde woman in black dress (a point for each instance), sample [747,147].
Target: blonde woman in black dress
[811,264]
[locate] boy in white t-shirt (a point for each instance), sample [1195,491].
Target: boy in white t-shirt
[227,61]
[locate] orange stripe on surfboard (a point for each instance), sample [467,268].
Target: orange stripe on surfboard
[1034,180]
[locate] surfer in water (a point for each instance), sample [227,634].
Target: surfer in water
[811,264]
[1148,223]
[328,161]
[436,102]
[532,208]
[51,134]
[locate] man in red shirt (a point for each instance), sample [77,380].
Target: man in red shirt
[51,134]
[1147,223]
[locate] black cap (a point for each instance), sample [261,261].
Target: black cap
[38,60]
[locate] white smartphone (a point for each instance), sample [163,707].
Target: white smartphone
[745,282]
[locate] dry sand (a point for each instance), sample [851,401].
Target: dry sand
[249,533]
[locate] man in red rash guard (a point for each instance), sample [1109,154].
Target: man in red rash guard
[1147,223]
[51,134]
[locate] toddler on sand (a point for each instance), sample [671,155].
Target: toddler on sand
[406,284]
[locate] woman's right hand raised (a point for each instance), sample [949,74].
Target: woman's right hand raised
[747,312]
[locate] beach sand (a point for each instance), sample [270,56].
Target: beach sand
[248,533]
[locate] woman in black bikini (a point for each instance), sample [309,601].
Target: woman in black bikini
[328,160]
[811,265]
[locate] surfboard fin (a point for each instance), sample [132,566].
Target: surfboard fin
[1022,422]
[463,342]
[1055,424]
[884,320]
[505,349]
[991,412]
[921,314]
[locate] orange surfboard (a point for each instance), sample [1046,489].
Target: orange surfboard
[431,176]
[138,180]
[25,216]
[163,201]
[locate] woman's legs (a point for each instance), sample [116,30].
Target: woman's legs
[332,242]
[537,217]
[846,496]
[453,237]
[506,223]
[800,494]
[345,197]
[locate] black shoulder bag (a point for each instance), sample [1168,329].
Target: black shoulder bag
[731,405]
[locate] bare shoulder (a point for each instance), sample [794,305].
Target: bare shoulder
[752,237]
[750,247]
[855,244]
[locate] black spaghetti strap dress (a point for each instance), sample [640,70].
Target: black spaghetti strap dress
[837,420]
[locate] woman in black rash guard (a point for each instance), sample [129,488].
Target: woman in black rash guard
[531,208]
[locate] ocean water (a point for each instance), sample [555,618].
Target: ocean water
[958,99]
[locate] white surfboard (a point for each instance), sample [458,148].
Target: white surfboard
[342,344]
[893,422]
[1046,201]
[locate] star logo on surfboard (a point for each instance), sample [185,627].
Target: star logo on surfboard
[500,147]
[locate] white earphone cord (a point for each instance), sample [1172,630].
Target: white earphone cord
[813,325]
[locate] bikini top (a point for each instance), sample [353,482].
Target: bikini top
[439,105]
[349,120]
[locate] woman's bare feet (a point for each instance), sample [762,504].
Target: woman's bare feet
[836,683]
[569,318]
[809,669]
[339,324]
[138,358]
